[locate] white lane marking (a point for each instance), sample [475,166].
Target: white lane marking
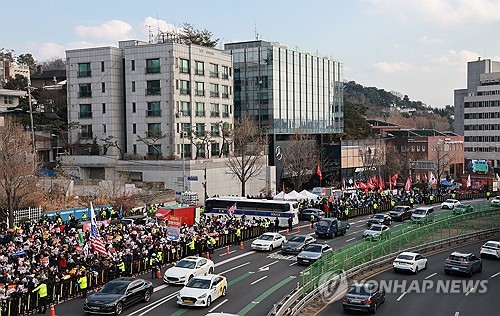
[223,254]
[348,240]
[401,296]
[234,258]
[265,276]
[469,291]
[457,313]
[293,263]
[154,305]
[267,265]
[160,287]
[310,234]
[430,276]
[359,226]
[218,305]
[494,275]
[237,267]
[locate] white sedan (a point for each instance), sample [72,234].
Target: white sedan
[202,290]
[450,203]
[188,268]
[409,261]
[268,241]
[490,249]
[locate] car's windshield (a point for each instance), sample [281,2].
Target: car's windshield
[186,264]
[114,288]
[266,237]
[492,245]
[419,212]
[450,201]
[298,239]
[324,223]
[363,289]
[398,209]
[405,257]
[313,248]
[198,283]
[376,228]
[378,216]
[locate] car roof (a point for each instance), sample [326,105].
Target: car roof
[493,241]
[424,208]
[192,258]
[270,233]
[124,280]
[460,254]
[408,253]
[376,225]
[208,276]
[454,200]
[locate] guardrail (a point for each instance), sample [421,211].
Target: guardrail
[364,253]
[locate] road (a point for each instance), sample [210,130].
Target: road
[256,280]
[431,302]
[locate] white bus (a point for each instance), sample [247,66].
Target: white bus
[253,208]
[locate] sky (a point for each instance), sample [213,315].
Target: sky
[417,48]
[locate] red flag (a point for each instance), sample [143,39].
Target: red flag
[318,172]
[375,181]
[409,181]
[425,178]
[394,179]
[362,185]
[390,183]
[283,186]
[418,177]
[381,184]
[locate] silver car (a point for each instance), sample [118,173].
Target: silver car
[376,231]
[313,252]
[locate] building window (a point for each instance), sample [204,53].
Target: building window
[214,149]
[225,72]
[199,68]
[423,147]
[84,70]
[214,110]
[154,150]
[104,128]
[134,149]
[154,130]
[200,89]
[184,87]
[104,108]
[103,87]
[225,110]
[418,148]
[153,66]
[214,90]
[86,131]
[153,109]
[200,129]
[85,90]
[134,128]
[85,111]
[185,108]
[214,129]
[153,87]
[200,109]
[214,71]
[132,64]
[184,69]
[8,99]
[200,151]
[102,66]
[225,92]
[186,129]
[133,86]
[133,107]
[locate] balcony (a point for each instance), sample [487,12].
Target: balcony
[214,114]
[200,93]
[214,94]
[153,70]
[153,91]
[200,113]
[214,74]
[85,115]
[86,94]
[153,113]
[185,91]
[83,74]
[86,135]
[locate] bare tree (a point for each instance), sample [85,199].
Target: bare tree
[17,174]
[249,149]
[151,139]
[442,159]
[109,142]
[226,134]
[300,160]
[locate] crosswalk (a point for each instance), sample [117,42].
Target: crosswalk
[280,256]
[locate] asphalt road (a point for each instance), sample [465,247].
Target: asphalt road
[406,301]
[256,280]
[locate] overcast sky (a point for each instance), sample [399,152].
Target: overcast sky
[415,47]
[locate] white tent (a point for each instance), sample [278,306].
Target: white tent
[294,195]
[280,196]
[309,195]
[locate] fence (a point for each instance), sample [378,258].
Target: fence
[408,236]
[27,303]
[31,213]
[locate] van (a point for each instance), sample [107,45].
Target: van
[423,214]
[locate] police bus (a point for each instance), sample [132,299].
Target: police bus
[253,208]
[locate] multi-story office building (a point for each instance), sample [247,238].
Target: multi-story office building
[477,112]
[155,99]
[286,92]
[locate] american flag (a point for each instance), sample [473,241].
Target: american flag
[231,210]
[95,237]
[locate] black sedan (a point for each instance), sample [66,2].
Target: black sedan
[400,213]
[306,214]
[363,297]
[118,294]
[379,219]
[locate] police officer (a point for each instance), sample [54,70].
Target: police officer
[153,261]
[488,193]
[84,216]
[290,222]
[238,235]
[191,247]
[276,225]
[82,283]
[375,207]
[121,268]
[42,296]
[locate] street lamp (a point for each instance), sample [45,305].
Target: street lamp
[183,135]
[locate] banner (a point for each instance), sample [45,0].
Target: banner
[174,228]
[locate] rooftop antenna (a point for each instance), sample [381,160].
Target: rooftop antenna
[255,30]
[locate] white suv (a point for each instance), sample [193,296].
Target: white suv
[450,203]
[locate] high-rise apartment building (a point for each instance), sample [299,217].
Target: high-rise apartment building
[477,114]
[164,99]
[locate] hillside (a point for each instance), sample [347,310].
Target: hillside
[396,108]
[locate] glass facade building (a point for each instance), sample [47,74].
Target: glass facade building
[287,91]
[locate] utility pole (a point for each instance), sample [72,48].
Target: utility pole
[33,140]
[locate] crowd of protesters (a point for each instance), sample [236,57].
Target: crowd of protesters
[34,255]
